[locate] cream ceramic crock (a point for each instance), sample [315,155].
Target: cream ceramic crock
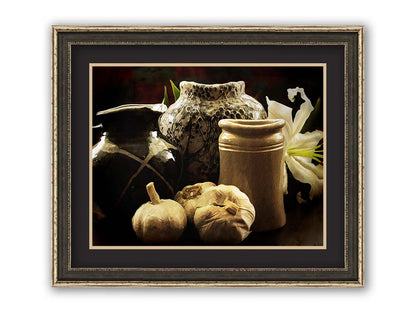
[251,158]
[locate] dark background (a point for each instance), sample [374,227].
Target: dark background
[117,85]
[114,86]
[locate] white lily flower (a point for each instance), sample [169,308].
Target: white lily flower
[300,148]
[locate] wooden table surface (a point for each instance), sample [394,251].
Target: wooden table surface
[304,227]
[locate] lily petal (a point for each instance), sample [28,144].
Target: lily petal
[299,148]
[307,163]
[304,111]
[281,111]
[306,172]
[306,140]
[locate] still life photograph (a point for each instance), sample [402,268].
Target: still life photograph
[207,164]
[196,156]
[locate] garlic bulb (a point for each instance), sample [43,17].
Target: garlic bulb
[188,198]
[224,215]
[160,220]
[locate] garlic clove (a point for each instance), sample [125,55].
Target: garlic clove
[189,195]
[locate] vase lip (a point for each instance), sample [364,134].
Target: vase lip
[157,108]
[239,83]
[212,91]
[252,127]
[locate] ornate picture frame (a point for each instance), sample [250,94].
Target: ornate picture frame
[336,262]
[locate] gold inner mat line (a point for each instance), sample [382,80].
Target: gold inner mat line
[324,69]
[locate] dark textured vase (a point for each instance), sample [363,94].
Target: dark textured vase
[191,124]
[129,155]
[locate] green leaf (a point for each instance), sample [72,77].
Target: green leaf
[175,90]
[166,97]
[315,118]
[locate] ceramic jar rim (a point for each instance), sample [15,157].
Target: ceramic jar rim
[234,84]
[158,108]
[129,121]
[252,127]
[212,91]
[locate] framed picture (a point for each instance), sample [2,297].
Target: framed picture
[207,156]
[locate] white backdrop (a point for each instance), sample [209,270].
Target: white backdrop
[25,152]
